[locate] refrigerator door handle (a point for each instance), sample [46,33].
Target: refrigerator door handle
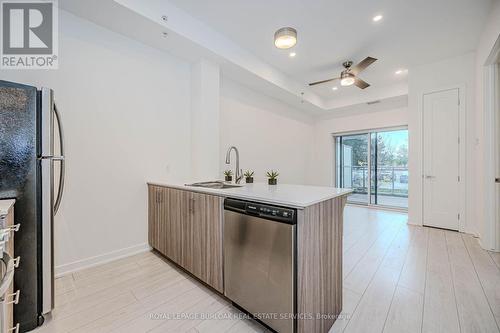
[62,174]
[52,157]
[47,178]
[47,156]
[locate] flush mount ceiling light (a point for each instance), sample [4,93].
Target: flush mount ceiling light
[285,38]
[346,79]
[377,18]
[401,71]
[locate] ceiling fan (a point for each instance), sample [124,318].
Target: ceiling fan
[349,75]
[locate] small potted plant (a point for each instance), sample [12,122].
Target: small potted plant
[228,175]
[272,177]
[248,176]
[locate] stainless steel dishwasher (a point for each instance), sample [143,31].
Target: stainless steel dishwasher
[259,261]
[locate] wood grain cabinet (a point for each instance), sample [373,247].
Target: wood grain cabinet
[165,221]
[186,227]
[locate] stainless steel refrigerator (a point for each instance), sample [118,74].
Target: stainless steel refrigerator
[32,172]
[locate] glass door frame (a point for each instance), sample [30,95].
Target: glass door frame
[342,169]
[368,132]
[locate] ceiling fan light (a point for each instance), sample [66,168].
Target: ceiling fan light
[348,81]
[285,38]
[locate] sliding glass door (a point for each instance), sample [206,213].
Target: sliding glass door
[352,165]
[375,165]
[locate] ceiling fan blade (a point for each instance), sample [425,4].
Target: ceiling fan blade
[362,65]
[324,81]
[360,83]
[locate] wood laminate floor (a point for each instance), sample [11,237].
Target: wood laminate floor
[397,278]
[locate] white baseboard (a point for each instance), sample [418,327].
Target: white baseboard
[410,222]
[100,259]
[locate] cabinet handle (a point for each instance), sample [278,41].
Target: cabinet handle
[14,329]
[5,233]
[15,300]
[191,205]
[12,228]
[16,261]
[15,227]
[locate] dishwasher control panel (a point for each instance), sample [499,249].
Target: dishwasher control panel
[281,214]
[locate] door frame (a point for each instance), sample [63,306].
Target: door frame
[490,236]
[462,222]
[369,132]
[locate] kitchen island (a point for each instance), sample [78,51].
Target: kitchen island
[186,224]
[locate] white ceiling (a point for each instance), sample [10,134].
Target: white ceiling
[411,33]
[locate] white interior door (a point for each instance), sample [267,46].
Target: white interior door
[441,192]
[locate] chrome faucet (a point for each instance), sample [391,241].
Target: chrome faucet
[238,174]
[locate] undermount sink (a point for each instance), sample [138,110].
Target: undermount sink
[215,184]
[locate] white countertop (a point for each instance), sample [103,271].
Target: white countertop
[5,206]
[295,196]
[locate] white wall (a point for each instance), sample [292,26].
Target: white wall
[126,113]
[205,119]
[268,134]
[483,122]
[450,73]
[322,167]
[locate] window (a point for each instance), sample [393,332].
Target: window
[375,165]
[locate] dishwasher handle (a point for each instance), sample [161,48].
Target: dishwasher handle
[235,205]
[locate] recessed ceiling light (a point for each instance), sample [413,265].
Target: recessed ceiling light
[401,71]
[292,54]
[285,38]
[335,88]
[377,18]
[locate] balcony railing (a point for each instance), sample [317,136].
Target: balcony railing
[390,180]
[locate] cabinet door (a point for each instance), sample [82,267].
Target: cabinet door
[154,217]
[175,219]
[10,250]
[166,212]
[186,227]
[205,243]
[158,220]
